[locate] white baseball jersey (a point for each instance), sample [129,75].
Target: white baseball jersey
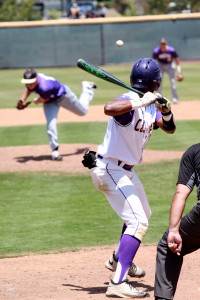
[124,141]
[128,134]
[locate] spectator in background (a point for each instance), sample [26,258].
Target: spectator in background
[102,11]
[169,63]
[75,11]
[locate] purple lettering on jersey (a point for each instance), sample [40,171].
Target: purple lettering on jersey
[139,126]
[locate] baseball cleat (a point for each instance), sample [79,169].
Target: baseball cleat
[124,289]
[59,158]
[134,270]
[56,156]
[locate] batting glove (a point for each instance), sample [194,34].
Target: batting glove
[162,104]
[146,100]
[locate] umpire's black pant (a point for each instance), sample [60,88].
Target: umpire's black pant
[168,264]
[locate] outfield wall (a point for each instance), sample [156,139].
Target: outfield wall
[57,43]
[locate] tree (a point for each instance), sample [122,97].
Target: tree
[125,7]
[13,10]
[174,6]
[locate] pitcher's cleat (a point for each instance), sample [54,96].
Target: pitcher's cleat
[56,156]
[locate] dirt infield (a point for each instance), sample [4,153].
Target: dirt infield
[78,275]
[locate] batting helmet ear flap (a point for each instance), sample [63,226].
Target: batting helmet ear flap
[146,74]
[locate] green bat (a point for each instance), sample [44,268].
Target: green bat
[100,73]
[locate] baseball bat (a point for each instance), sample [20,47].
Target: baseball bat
[100,73]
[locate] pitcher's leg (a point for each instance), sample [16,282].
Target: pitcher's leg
[78,106]
[51,112]
[87,93]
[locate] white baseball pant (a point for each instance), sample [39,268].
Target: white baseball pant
[125,193]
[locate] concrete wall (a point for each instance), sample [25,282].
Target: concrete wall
[57,43]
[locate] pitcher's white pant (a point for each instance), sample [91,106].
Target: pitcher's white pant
[125,193]
[70,102]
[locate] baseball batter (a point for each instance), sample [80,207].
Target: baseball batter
[53,95]
[167,58]
[183,234]
[131,122]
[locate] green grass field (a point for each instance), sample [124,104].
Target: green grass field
[47,212]
[187,133]
[11,88]
[44,212]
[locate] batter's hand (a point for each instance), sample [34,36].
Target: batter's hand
[148,98]
[174,242]
[162,104]
[21,105]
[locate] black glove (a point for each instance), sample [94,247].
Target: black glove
[163,104]
[89,159]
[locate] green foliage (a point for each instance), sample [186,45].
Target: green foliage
[53,14]
[131,9]
[13,10]
[125,8]
[157,6]
[163,6]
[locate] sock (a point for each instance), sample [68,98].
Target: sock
[117,250]
[56,149]
[127,250]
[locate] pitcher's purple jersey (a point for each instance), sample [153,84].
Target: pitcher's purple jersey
[165,57]
[49,87]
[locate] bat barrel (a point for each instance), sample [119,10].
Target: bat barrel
[100,73]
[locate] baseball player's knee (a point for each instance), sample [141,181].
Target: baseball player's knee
[141,230]
[138,230]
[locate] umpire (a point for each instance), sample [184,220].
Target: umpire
[183,234]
